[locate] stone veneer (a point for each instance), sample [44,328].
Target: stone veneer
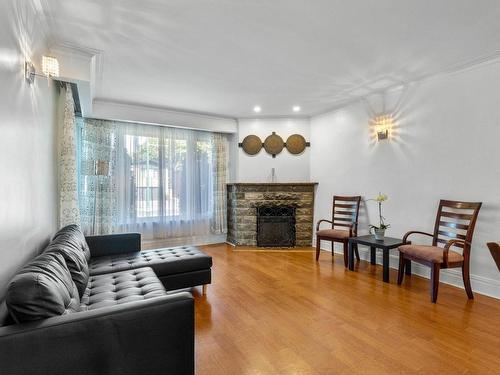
[243,198]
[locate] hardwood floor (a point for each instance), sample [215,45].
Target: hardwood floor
[283,313]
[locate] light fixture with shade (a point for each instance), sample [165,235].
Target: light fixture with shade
[50,69]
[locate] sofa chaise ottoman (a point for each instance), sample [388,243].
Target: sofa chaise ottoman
[64,320]
[176,267]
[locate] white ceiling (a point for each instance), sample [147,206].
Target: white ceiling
[224,57]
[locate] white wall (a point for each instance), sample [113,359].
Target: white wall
[445,145]
[28,204]
[288,167]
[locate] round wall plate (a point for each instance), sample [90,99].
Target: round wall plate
[251,144]
[274,144]
[296,144]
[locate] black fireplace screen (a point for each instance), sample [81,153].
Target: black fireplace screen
[276,226]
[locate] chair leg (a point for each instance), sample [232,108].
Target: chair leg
[408,267]
[401,268]
[434,283]
[204,289]
[346,259]
[318,248]
[466,277]
[356,251]
[333,248]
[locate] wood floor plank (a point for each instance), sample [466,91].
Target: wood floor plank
[285,313]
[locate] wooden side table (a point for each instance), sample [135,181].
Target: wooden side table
[385,245]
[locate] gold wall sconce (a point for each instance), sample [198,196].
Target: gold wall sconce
[50,68]
[383,124]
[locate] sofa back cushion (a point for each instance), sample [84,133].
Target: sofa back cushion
[42,289]
[70,243]
[73,233]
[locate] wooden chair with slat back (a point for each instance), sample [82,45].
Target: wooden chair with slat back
[454,227]
[345,211]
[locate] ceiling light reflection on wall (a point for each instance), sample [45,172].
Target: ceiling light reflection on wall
[383,125]
[296,108]
[257,109]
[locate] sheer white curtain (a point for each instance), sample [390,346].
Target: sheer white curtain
[164,183]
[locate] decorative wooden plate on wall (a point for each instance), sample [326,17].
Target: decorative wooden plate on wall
[296,144]
[251,144]
[274,144]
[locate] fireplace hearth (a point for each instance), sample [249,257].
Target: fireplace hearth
[276,226]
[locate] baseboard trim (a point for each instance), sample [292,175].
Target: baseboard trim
[481,285]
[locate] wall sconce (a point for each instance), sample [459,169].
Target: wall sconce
[382,126]
[50,68]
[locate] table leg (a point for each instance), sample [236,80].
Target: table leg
[373,259]
[385,253]
[351,256]
[408,267]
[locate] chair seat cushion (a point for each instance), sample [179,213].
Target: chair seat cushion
[333,233]
[121,287]
[432,254]
[164,262]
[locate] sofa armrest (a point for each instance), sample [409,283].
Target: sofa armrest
[112,244]
[154,336]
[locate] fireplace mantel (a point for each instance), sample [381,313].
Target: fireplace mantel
[243,198]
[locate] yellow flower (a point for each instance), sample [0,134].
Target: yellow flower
[381,197]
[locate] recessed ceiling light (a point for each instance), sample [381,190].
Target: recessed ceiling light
[296,108]
[256,109]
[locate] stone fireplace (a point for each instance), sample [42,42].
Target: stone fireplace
[254,209]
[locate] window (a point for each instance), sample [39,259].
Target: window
[162,179]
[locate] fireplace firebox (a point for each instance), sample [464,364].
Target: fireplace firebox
[276,226]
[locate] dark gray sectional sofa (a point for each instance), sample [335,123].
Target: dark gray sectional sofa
[98,305]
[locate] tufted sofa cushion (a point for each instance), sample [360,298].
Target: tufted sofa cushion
[42,289]
[121,287]
[164,262]
[70,243]
[73,234]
